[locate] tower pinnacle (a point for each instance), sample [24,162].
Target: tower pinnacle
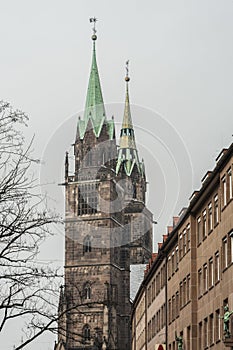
[128,155]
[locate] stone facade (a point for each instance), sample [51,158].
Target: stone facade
[97,254]
[107,227]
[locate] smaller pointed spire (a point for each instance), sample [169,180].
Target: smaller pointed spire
[127,120]
[128,155]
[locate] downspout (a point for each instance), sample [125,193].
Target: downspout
[146,335]
[166,307]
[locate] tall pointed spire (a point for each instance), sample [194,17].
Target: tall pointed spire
[94,107]
[128,155]
[94,101]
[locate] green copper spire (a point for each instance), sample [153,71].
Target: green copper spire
[127,154]
[94,107]
[94,101]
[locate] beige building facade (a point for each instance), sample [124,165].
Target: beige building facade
[198,258]
[149,310]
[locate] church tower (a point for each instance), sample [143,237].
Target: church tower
[131,172]
[104,196]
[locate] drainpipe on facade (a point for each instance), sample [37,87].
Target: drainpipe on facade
[166,325]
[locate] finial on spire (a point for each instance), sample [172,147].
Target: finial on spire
[127,78]
[93,20]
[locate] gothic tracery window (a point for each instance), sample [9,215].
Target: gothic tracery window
[87,291]
[86,333]
[89,157]
[87,244]
[87,199]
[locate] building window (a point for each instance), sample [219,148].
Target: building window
[188,236]
[168,268]
[89,157]
[184,291]
[205,333]
[231,246]
[210,217]
[188,288]
[169,310]
[211,329]
[177,305]
[211,273]
[200,335]
[87,291]
[159,281]
[173,261]
[153,326]
[199,230]
[217,325]
[86,333]
[134,191]
[181,246]
[204,227]
[205,277]
[87,245]
[176,257]
[153,290]
[181,294]
[149,296]
[217,267]
[200,282]
[87,199]
[184,242]
[188,337]
[149,331]
[230,183]
[173,307]
[224,252]
[224,191]
[216,218]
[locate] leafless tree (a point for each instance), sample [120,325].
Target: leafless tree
[27,288]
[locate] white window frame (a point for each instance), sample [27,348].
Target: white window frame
[230,183]
[217,267]
[210,216]
[224,189]
[225,255]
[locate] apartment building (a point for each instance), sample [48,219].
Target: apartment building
[198,259]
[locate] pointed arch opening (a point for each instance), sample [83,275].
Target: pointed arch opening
[86,333]
[87,291]
[89,157]
[87,244]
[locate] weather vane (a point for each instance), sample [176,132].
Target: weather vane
[127,71]
[93,20]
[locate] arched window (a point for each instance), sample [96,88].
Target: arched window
[86,333]
[134,191]
[89,157]
[87,245]
[87,291]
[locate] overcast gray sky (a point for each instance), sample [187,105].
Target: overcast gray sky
[181,68]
